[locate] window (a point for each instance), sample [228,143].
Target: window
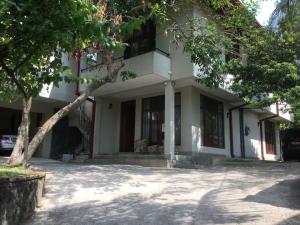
[153,118]
[233,54]
[212,121]
[141,41]
[270,137]
[91,59]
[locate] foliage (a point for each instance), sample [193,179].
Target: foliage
[9,171]
[34,35]
[264,61]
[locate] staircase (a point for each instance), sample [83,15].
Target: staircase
[85,127]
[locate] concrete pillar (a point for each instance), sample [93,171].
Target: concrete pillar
[169,142]
[97,123]
[45,148]
[138,119]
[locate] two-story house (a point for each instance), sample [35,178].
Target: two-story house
[163,112]
[165,108]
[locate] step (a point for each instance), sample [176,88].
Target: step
[131,161]
[198,160]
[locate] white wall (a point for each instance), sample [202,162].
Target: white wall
[236,133]
[45,148]
[66,91]
[252,141]
[181,65]
[107,126]
[37,106]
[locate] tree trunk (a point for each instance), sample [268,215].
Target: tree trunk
[48,125]
[21,146]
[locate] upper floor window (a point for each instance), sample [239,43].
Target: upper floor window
[234,53]
[91,58]
[141,41]
[212,120]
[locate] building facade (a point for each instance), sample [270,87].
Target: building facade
[164,110]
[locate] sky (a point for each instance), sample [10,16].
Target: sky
[266,9]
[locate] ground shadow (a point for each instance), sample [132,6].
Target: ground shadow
[283,194]
[133,209]
[290,221]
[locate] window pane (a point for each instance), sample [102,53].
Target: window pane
[153,118]
[212,121]
[141,41]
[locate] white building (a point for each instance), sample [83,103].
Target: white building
[165,107]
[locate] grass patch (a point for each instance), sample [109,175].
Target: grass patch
[11,171]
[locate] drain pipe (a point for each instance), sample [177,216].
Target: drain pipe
[260,123]
[229,115]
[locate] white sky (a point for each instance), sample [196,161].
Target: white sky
[266,9]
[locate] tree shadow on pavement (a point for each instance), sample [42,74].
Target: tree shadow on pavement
[133,209]
[283,194]
[290,221]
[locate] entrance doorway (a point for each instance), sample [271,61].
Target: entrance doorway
[127,126]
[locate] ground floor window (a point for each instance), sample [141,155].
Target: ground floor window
[153,118]
[270,137]
[212,122]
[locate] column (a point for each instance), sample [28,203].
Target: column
[97,127]
[169,142]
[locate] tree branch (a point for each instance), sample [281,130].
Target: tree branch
[22,62]
[10,73]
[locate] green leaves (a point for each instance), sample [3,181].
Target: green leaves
[126,75]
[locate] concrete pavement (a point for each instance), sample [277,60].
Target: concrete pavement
[119,194]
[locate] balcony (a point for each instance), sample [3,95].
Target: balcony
[150,68]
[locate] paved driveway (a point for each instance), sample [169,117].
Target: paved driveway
[120,194]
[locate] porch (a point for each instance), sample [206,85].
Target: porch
[143,126]
[167,116]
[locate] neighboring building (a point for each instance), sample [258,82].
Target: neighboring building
[165,108]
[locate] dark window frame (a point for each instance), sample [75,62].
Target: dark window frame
[207,110]
[141,41]
[177,126]
[156,106]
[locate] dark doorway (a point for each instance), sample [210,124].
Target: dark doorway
[127,126]
[270,137]
[291,144]
[64,139]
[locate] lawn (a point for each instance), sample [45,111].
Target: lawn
[10,171]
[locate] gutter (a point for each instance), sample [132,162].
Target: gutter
[229,114]
[260,123]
